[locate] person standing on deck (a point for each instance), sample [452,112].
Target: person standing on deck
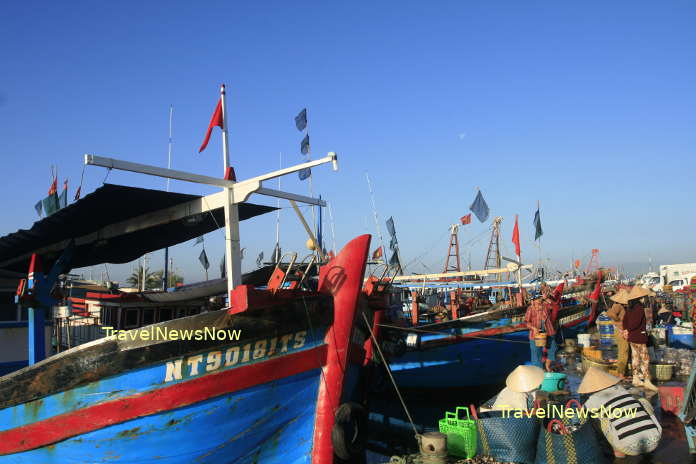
[552,300]
[634,330]
[538,319]
[616,313]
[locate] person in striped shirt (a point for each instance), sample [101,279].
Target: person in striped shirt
[628,423]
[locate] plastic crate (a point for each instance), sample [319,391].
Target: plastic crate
[461,433]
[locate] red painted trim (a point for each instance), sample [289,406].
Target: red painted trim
[102,415]
[342,278]
[488,333]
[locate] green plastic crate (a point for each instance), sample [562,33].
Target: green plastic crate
[461,434]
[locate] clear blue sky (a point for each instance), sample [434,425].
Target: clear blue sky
[589,107]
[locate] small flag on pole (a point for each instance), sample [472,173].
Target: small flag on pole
[479,207]
[216,120]
[203,258]
[516,237]
[301,120]
[304,145]
[77,192]
[390,227]
[466,219]
[304,173]
[63,200]
[53,189]
[538,232]
[377,254]
[38,207]
[259,259]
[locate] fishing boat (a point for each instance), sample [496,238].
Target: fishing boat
[268,378]
[473,350]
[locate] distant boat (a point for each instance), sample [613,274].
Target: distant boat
[474,350]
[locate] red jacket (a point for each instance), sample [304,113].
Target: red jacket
[634,322]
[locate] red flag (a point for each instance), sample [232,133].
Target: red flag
[216,120]
[377,253]
[54,186]
[466,219]
[516,237]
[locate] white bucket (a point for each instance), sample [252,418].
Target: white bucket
[584,340]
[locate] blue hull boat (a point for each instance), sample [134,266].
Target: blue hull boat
[267,381]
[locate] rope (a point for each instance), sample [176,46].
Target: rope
[391,377]
[409,329]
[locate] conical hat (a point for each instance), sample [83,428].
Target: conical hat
[638,292]
[620,297]
[596,379]
[525,378]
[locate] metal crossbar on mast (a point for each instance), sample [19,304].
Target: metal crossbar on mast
[235,192]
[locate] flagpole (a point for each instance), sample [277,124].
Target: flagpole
[374,213]
[232,261]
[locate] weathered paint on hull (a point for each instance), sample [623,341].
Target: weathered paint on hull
[253,424]
[270,423]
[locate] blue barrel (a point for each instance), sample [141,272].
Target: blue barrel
[606,329]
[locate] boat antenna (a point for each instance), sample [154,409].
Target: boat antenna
[165,275]
[374,214]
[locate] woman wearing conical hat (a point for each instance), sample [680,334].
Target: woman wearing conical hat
[635,331]
[616,313]
[520,389]
[629,424]
[664,315]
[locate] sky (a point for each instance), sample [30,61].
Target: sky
[586,107]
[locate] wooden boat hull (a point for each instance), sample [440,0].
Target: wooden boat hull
[269,396]
[483,354]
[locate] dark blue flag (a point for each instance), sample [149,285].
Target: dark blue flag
[203,258]
[390,227]
[301,120]
[538,232]
[304,173]
[480,208]
[393,243]
[304,145]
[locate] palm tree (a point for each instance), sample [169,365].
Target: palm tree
[173,278]
[136,278]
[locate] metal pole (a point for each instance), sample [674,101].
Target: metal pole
[232,258]
[165,276]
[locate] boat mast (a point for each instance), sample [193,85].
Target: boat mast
[232,257]
[165,276]
[276,250]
